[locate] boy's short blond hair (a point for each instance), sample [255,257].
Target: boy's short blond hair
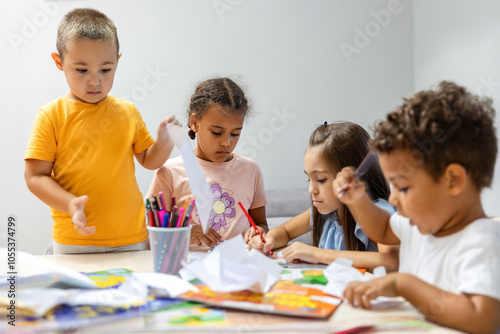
[443,126]
[85,23]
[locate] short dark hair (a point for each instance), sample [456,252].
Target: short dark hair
[85,23]
[444,126]
[221,92]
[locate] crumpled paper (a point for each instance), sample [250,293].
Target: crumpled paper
[37,301]
[341,272]
[164,285]
[230,268]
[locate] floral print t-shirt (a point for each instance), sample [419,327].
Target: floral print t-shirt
[237,180]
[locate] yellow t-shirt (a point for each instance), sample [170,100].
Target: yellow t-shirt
[92,147]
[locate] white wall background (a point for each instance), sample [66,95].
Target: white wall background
[460,41]
[286,53]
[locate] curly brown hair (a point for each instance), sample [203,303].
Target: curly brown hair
[222,92]
[443,126]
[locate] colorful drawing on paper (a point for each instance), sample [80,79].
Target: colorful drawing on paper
[111,278]
[186,314]
[287,297]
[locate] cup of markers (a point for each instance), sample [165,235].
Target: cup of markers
[169,233]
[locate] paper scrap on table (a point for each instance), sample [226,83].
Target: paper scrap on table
[53,273]
[341,272]
[165,285]
[230,268]
[196,178]
[38,301]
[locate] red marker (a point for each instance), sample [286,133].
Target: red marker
[254,226]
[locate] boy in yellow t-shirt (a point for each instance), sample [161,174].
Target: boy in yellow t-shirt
[80,156]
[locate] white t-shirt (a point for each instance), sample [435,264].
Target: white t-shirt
[467,261]
[237,180]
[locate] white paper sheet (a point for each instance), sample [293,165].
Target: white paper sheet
[341,272]
[230,268]
[196,178]
[60,274]
[165,285]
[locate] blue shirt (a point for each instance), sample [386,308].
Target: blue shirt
[332,236]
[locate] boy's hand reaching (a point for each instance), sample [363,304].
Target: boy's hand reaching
[361,293]
[199,238]
[78,218]
[155,155]
[163,136]
[346,187]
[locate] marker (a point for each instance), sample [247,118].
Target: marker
[161,211]
[187,216]
[186,203]
[363,167]
[254,226]
[155,211]
[162,201]
[179,219]
[190,214]
[151,220]
[172,221]
[165,220]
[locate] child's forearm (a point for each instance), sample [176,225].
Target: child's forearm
[156,155]
[263,225]
[50,192]
[469,313]
[279,235]
[373,220]
[368,260]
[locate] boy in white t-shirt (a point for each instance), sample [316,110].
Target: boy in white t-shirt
[438,150]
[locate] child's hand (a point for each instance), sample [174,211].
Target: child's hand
[256,242]
[162,128]
[78,218]
[199,238]
[299,252]
[347,188]
[361,293]
[250,233]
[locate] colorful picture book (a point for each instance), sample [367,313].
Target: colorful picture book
[301,296]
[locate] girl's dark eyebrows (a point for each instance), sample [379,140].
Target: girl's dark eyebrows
[396,177]
[223,128]
[317,172]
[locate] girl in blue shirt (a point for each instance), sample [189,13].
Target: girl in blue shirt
[335,233]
